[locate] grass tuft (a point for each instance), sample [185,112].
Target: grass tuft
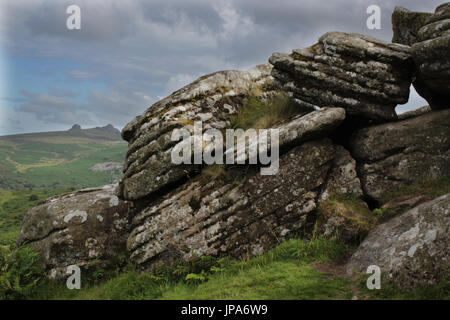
[261,114]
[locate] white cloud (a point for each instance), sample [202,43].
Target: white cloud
[178,81]
[234,24]
[141,50]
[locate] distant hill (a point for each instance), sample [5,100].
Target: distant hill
[107,133]
[61,158]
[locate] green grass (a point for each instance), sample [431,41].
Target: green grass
[282,273]
[440,291]
[433,188]
[286,272]
[57,165]
[277,280]
[13,206]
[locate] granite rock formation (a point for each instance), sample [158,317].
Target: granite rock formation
[87,228]
[393,155]
[365,76]
[411,249]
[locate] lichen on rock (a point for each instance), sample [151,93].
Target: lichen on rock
[396,154]
[365,76]
[87,228]
[235,219]
[411,249]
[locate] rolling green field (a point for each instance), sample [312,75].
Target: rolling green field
[59,160]
[13,206]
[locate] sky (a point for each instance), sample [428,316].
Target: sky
[129,54]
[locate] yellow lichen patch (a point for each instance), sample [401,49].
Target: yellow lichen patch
[159,114]
[184,121]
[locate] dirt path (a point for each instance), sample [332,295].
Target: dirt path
[338,269]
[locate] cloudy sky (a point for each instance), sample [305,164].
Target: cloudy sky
[129,54]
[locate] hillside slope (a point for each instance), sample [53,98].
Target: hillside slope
[60,159]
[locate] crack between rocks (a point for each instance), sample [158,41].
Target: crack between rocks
[45,236]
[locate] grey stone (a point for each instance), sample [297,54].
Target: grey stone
[414,113]
[431,55]
[244,216]
[87,228]
[212,99]
[365,76]
[412,248]
[396,154]
[406,25]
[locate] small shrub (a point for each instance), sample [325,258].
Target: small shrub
[260,114]
[20,272]
[196,278]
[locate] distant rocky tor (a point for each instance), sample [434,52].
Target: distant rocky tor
[107,132]
[353,147]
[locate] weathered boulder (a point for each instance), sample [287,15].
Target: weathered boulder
[402,204]
[406,25]
[87,228]
[246,214]
[431,54]
[300,128]
[428,35]
[343,177]
[395,154]
[212,99]
[365,76]
[412,248]
[414,113]
[344,217]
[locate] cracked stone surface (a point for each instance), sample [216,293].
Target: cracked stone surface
[87,228]
[395,154]
[431,55]
[429,37]
[241,217]
[406,25]
[212,99]
[365,76]
[412,248]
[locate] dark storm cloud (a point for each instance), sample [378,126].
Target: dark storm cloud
[144,49]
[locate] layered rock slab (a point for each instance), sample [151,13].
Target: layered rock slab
[247,216]
[428,35]
[393,155]
[365,76]
[411,249]
[431,53]
[87,228]
[212,99]
[406,25]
